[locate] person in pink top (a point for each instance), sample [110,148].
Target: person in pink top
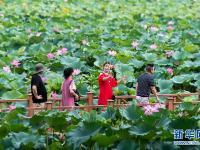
[68,88]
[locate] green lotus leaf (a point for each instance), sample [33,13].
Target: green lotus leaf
[105,140]
[109,114]
[191,48]
[178,55]
[165,91]
[182,78]
[127,145]
[136,63]
[71,62]
[183,123]
[131,113]
[140,130]
[186,106]
[165,84]
[12,95]
[150,57]
[18,140]
[83,133]
[163,62]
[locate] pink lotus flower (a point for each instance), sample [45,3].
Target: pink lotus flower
[50,55]
[76,72]
[169,53]
[134,44]
[84,42]
[170,71]
[170,23]
[6,69]
[64,50]
[159,105]
[112,53]
[59,52]
[154,109]
[54,95]
[148,112]
[38,34]
[170,28]
[153,46]
[150,109]
[11,108]
[77,30]
[154,29]
[15,63]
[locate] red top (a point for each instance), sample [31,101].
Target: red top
[105,88]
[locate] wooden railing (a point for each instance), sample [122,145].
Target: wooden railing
[121,101]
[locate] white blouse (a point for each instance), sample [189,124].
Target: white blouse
[72,85]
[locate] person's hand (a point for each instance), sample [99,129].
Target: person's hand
[123,79]
[158,99]
[77,97]
[109,75]
[39,97]
[112,67]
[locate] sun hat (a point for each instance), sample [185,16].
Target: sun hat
[39,68]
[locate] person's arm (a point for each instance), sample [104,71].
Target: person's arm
[71,90]
[122,79]
[34,89]
[136,88]
[154,91]
[106,78]
[102,77]
[153,88]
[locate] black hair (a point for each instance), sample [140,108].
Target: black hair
[107,62]
[68,72]
[114,73]
[149,67]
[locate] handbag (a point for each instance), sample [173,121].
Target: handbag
[113,97]
[76,91]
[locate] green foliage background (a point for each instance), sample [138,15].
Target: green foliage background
[30,29]
[121,129]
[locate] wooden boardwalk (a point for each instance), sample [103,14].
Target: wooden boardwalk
[121,101]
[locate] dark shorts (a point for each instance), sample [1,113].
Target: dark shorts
[38,101]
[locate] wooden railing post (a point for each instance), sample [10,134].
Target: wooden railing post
[30,105]
[170,103]
[89,100]
[111,103]
[199,94]
[174,100]
[118,101]
[49,105]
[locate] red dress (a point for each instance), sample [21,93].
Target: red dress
[105,88]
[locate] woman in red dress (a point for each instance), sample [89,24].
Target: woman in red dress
[106,83]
